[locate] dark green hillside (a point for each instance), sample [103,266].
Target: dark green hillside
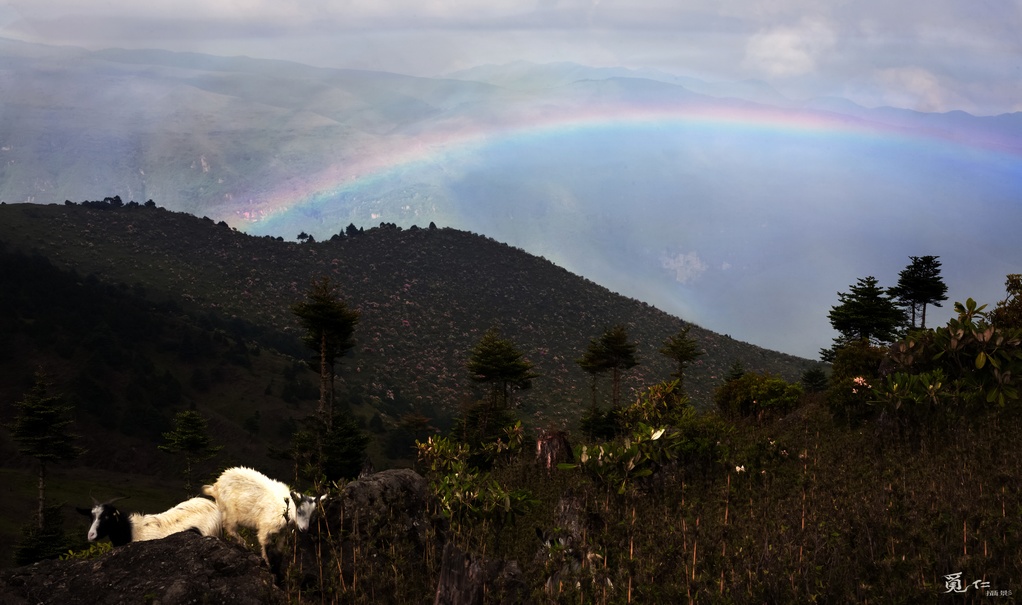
[426,297]
[137,313]
[128,365]
[884,487]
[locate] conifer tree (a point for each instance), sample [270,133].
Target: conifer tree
[1008,313]
[683,350]
[735,372]
[329,327]
[920,285]
[191,438]
[611,352]
[333,445]
[866,312]
[41,428]
[344,449]
[497,362]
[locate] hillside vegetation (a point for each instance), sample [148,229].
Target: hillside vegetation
[138,313]
[897,484]
[425,296]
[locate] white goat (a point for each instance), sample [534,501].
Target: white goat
[248,498]
[197,514]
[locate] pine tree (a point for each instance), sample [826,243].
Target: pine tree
[683,350]
[868,313]
[344,449]
[611,352]
[329,327]
[41,429]
[1008,313]
[191,438]
[920,285]
[497,362]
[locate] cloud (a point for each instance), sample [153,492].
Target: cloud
[916,88]
[789,50]
[875,52]
[686,267]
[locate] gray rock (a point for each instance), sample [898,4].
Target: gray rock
[180,569]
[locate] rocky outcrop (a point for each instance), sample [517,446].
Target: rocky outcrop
[382,534]
[378,527]
[177,570]
[467,579]
[379,540]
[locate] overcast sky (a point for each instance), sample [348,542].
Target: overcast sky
[931,55]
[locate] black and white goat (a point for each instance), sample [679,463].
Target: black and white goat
[197,514]
[248,498]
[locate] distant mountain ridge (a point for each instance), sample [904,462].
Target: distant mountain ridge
[84,123]
[533,76]
[711,200]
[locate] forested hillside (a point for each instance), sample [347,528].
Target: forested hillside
[426,296]
[136,313]
[892,480]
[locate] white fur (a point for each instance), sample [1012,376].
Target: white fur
[248,498]
[197,513]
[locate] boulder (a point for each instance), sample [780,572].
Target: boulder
[468,579]
[179,569]
[371,539]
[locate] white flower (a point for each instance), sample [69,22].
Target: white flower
[740,469]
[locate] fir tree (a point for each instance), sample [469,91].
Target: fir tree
[497,361]
[329,326]
[41,428]
[683,350]
[191,438]
[866,312]
[920,285]
[1008,313]
[611,352]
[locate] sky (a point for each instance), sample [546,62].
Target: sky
[932,55]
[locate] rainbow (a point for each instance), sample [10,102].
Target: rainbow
[440,141]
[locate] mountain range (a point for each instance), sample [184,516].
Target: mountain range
[722,203]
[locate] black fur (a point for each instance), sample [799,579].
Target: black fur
[112,523]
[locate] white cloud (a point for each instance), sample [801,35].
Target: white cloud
[916,88]
[804,48]
[686,267]
[791,50]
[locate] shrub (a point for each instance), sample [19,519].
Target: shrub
[757,395]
